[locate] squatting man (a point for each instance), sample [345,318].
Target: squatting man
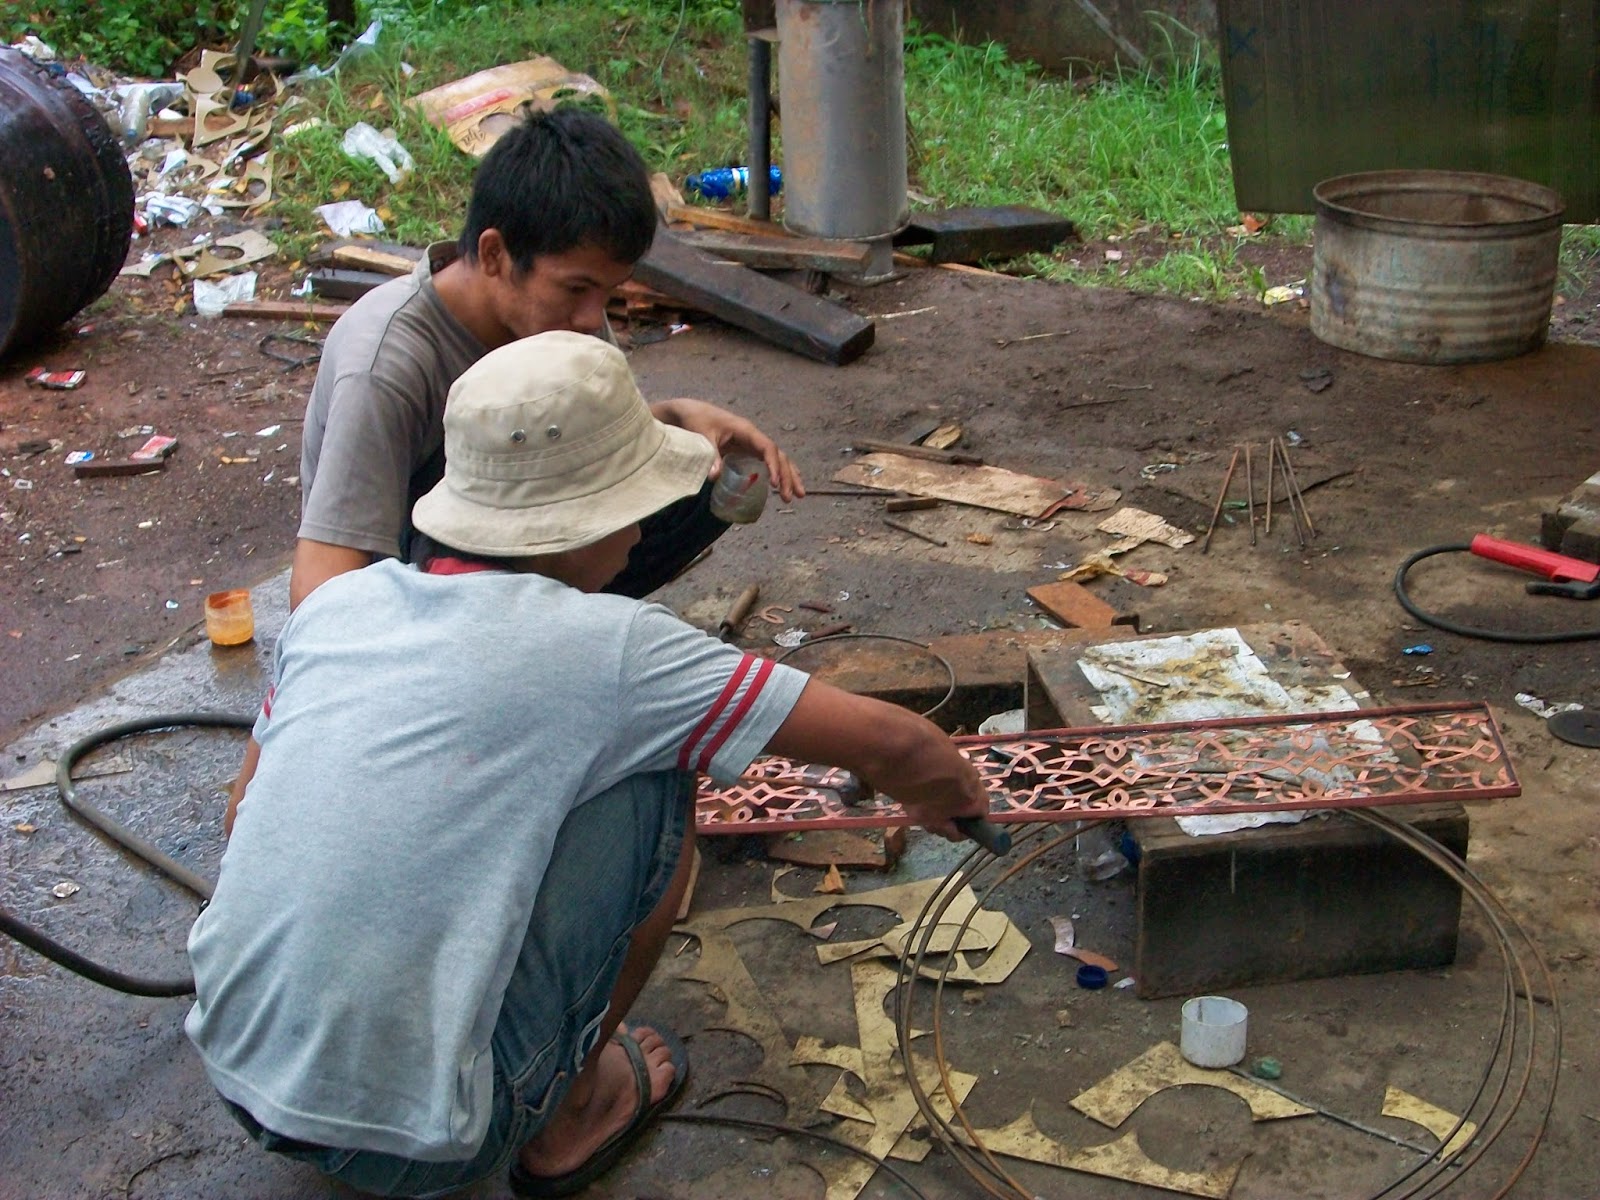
[468,821]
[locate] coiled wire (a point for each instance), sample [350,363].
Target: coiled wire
[1524,1062]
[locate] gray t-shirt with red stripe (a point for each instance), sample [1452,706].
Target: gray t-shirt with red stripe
[424,739]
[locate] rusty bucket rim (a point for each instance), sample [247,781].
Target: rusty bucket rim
[1438,180]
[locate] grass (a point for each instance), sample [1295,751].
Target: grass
[1580,258]
[1139,157]
[678,95]
[1139,152]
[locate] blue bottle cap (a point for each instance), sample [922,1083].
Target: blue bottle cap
[1091,976]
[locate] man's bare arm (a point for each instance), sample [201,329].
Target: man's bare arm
[247,770]
[317,562]
[898,752]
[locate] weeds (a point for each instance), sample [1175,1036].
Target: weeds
[1139,155]
[1580,255]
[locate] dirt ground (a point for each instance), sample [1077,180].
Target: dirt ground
[1394,458]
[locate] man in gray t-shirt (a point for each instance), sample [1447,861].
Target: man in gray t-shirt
[561,210]
[467,830]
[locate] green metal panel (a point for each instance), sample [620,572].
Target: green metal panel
[1317,88]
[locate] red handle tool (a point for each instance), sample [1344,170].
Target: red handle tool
[1555,567]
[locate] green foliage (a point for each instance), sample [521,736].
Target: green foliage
[1580,254]
[143,37]
[1142,154]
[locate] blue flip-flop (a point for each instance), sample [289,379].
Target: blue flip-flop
[611,1152]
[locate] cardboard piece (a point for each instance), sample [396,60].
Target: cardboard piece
[43,772]
[476,110]
[983,487]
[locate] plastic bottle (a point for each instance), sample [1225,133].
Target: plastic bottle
[740,492]
[722,182]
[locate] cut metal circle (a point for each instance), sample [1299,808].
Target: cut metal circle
[1580,727]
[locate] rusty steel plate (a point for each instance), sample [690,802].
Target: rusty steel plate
[1353,759]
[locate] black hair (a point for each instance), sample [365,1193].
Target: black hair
[558,181]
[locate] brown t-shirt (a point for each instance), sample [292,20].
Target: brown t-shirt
[374,432]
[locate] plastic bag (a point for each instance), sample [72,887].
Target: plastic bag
[349,217]
[362,141]
[211,298]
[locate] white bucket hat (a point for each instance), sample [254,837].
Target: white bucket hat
[548,446]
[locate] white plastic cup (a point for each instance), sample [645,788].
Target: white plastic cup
[1214,1030]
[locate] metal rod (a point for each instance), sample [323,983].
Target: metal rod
[1294,482]
[1270,450]
[1205,546]
[1250,492]
[1332,1116]
[916,533]
[758,194]
[1294,513]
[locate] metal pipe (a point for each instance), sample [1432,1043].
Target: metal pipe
[759,197]
[841,82]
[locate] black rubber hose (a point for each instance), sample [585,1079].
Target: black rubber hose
[133,985]
[1490,635]
[39,942]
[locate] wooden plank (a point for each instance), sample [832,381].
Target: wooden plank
[968,235]
[1075,605]
[285,310]
[762,251]
[370,258]
[740,296]
[718,218]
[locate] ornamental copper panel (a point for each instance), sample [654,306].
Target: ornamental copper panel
[1354,759]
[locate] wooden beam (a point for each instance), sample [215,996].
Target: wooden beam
[762,251]
[717,218]
[285,310]
[385,261]
[782,315]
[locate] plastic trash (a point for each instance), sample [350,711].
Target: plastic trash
[211,298]
[722,182]
[364,44]
[35,49]
[348,217]
[362,141]
[1099,857]
[136,101]
[170,210]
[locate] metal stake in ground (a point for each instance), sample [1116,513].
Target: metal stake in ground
[1271,442]
[1250,492]
[1294,484]
[1205,546]
[1288,488]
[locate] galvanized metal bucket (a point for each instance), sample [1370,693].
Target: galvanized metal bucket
[1434,266]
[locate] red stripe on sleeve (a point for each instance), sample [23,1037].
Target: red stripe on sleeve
[266,705]
[714,712]
[710,752]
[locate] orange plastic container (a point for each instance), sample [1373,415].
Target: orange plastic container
[230,621]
